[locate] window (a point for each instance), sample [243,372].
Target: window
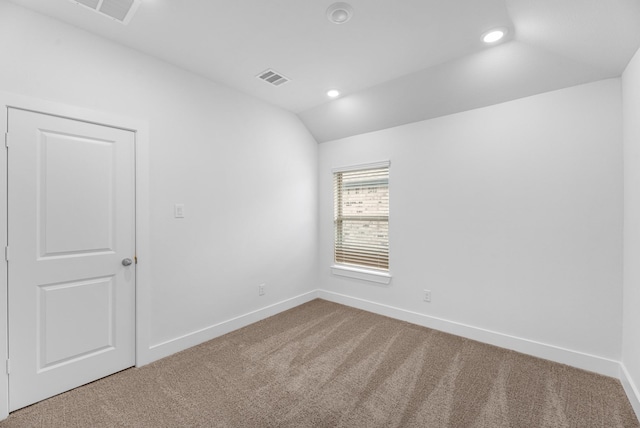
[361,216]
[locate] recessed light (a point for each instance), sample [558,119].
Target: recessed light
[333,93]
[494,35]
[339,13]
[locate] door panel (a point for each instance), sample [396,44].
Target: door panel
[71,214]
[66,227]
[91,323]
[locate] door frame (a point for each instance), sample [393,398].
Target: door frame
[140,128]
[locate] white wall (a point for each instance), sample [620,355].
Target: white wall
[511,215]
[246,172]
[631,293]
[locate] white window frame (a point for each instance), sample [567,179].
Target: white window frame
[363,273]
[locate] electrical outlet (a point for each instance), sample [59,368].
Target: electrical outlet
[261,289]
[427,295]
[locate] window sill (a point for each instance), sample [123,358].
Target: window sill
[378,277]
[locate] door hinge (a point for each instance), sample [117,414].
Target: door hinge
[6,253]
[8,366]
[6,139]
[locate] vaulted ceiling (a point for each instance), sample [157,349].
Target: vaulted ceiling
[395,61]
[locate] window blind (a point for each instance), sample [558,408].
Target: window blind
[361,217]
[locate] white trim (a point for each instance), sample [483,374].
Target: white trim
[197,337]
[631,389]
[143,251]
[141,129]
[4,303]
[569,357]
[363,166]
[378,277]
[572,358]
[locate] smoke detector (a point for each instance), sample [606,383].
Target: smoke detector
[118,10]
[339,13]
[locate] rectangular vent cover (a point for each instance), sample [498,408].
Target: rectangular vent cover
[273,77]
[118,10]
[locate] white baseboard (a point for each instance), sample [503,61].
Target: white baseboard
[577,359]
[164,349]
[631,389]
[557,354]
[569,357]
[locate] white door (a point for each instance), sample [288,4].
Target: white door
[71,230]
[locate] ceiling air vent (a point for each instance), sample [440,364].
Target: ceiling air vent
[118,10]
[273,77]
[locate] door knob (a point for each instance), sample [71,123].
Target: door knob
[126,262]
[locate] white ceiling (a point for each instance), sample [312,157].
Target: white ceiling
[395,62]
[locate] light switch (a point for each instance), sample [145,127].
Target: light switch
[179,211]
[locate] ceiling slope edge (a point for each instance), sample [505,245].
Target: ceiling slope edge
[507,72]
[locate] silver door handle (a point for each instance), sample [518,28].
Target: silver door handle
[126,262]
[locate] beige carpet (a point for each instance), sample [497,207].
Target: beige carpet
[326,365]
